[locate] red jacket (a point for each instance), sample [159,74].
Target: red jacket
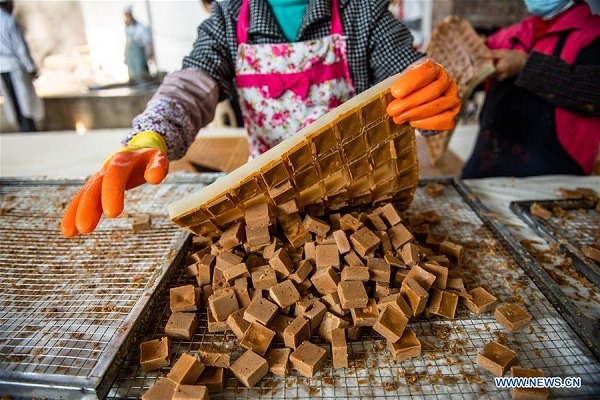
[579,135]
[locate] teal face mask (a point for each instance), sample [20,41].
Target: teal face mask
[546,8]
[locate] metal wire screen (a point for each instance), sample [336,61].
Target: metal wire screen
[447,367]
[68,305]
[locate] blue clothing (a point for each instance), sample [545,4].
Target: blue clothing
[289,14]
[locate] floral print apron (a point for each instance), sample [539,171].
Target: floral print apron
[285,87]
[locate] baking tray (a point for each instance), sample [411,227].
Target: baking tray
[447,367]
[578,226]
[71,307]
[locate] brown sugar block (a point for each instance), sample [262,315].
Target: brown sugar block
[227,259]
[481,300]
[278,325]
[434,240]
[181,325]
[443,303]
[339,348]
[334,304]
[314,314]
[250,368]
[222,303]
[390,324]
[410,254]
[379,270]
[496,358]
[263,277]
[390,214]
[421,276]
[213,378]
[329,323]
[278,360]
[383,289]
[315,225]
[284,293]
[296,332]
[364,241]
[191,392]
[434,189]
[349,223]
[325,280]
[452,250]
[161,390]
[154,354]
[257,338]
[308,359]
[352,294]
[205,269]
[258,237]
[399,278]
[431,217]
[301,272]
[327,255]
[353,259]
[342,242]
[591,252]
[233,236]
[399,236]
[309,252]
[512,316]
[215,358]
[282,263]
[407,347]
[528,393]
[214,325]
[366,316]
[440,273]
[354,332]
[258,216]
[183,298]
[395,300]
[394,261]
[186,370]
[260,310]
[355,274]
[141,222]
[537,210]
[304,303]
[414,295]
[455,284]
[377,222]
[237,271]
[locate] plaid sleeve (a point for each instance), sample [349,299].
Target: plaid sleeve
[211,51]
[574,87]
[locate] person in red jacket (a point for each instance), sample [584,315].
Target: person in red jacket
[542,109]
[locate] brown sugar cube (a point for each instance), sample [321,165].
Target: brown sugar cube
[390,214]
[353,259]
[240,286]
[282,263]
[296,332]
[431,217]
[341,240]
[284,293]
[399,236]
[527,393]
[540,211]
[205,269]
[154,354]
[394,261]
[329,323]
[237,271]
[383,289]
[349,223]
[377,222]
[481,300]
[434,189]
[435,239]
[278,360]
[325,280]
[191,270]
[414,295]
[355,274]
[237,323]
[257,338]
[366,316]
[296,234]
[308,359]
[452,250]
[258,237]
[379,270]
[352,294]
[327,256]
[421,276]
[591,252]
[410,254]
[186,370]
[386,243]
[141,222]
[215,358]
[302,271]
[334,304]
[227,259]
[233,236]
[222,303]
[314,314]
[214,325]
[250,368]
[421,231]
[395,300]
[260,310]
[316,226]
[364,241]
[390,324]
[512,316]
[443,303]
[339,348]
[181,325]
[278,325]
[354,332]
[263,277]
[439,260]
[213,378]
[304,303]
[183,298]
[190,392]
[258,216]
[440,273]
[407,347]
[161,390]
[399,278]
[309,252]
[271,248]
[455,284]
[496,358]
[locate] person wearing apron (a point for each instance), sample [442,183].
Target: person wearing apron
[291,63]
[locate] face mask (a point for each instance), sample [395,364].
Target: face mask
[547,8]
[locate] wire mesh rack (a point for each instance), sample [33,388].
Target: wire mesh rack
[71,307]
[447,367]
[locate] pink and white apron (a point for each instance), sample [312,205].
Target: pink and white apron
[285,87]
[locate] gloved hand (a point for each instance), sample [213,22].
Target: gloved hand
[426,97]
[143,160]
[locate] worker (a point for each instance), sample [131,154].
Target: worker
[542,109]
[21,104]
[138,47]
[292,62]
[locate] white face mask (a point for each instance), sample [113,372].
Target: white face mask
[547,8]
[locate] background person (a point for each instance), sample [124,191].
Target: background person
[138,47]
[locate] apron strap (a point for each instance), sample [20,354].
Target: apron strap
[336,19]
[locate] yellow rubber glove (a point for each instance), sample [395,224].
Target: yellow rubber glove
[142,160]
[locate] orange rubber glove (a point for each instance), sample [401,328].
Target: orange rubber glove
[143,160]
[426,97]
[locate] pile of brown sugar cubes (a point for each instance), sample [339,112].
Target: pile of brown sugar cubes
[281,280]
